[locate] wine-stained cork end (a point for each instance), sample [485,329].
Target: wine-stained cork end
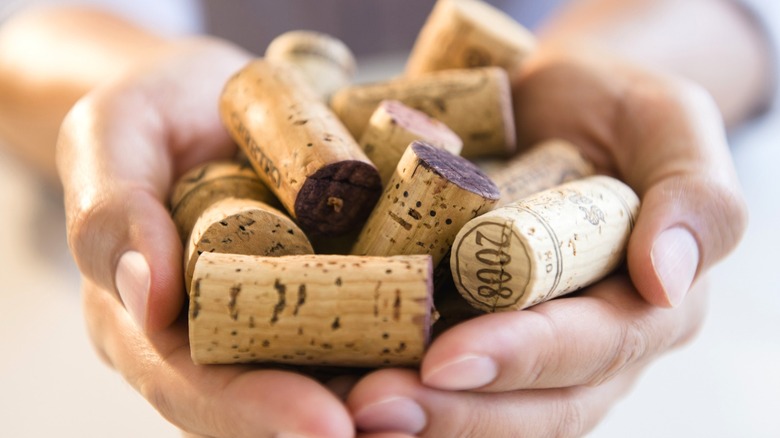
[337,198]
[456,170]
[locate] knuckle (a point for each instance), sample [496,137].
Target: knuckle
[468,420]
[730,216]
[158,398]
[632,344]
[84,217]
[571,415]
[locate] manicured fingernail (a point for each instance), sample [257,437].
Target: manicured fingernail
[468,372]
[675,257]
[288,435]
[132,282]
[396,414]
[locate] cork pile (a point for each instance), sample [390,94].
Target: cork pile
[356,224]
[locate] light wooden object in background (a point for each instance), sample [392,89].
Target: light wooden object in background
[545,165]
[299,148]
[311,310]
[475,103]
[326,62]
[429,198]
[393,127]
[469,33]
[549,244]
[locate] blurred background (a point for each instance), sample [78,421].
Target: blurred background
[726,383]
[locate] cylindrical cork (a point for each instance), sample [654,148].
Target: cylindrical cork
[394,126]
[475,103]
[299,148]
[469,33]
[311,310]
[326,62]
[547,164]
[551,243]
[450,307]
[243,226]
[203,185]
[429,198]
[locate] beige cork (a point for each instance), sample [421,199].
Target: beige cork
[299,148]
[475,103]
[549,244]
[326,62]
[311,310]
[545,165]
[393,126]
[430,197]
[208,183]
[469,33]
[243,226]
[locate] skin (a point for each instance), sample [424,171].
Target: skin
[651,119]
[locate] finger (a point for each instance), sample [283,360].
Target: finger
[692,212]
[395,400]
[665,138]
[213,401]
[118,151]
[581,340]
[384,435]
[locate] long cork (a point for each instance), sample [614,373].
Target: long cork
[243,226]
[311,310]
[391,129]
[429,198]
[203,185]
[469,33]
[299,148]
[326,62]
[549,244]
[475,103]
[545,165]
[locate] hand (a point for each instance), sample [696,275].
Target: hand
[119,150]
[555,369]
[552,370]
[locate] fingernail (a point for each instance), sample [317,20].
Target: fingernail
[397,414]
[675,257]
[288,435]
[132,282]
[468,372]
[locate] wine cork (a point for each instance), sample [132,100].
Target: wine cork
[299,148]
[326,62]
[429,198]
[475,103]
[393,126]
[450,307]
[545,165]
[551,243]
[203,185]
[311,310]
[243,226]
[469,33]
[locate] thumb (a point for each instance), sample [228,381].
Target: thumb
[692,212]
[118,151]
[664,137]
[119,231]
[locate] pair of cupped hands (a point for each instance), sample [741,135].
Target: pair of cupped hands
[551,370]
